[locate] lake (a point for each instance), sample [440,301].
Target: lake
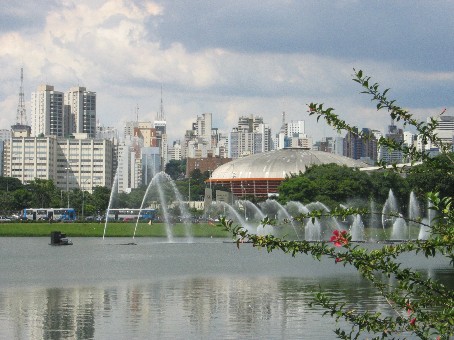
[208,289]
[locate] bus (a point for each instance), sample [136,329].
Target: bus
[127,214]
[56,214]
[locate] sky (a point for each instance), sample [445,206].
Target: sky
[230,58]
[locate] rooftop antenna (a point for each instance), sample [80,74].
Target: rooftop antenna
[137,112]
[161,109]
[21,118]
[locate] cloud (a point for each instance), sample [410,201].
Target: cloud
[229,58]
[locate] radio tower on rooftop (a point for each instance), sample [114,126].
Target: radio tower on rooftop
[21,118]
[160,115]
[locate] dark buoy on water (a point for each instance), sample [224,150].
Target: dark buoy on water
[59,239]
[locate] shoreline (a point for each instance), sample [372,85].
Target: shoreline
[114,229]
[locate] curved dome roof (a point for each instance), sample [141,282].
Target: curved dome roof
[279,163]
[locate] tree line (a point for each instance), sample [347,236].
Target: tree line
[332,184]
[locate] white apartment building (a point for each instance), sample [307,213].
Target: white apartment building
[292,135]
[47,112]
[69,163]
[251,136]
[295,128]
[80,106]
[203,128]
[409,138]
[106,132]
[175,152]
[445,129]
[129,172]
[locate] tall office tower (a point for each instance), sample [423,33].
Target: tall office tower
[249,124]
[81,114]
[47,112]
[390,155]
[445,129]
[295,128]
[129,167]
[203,128]
[251,136]
[264,133]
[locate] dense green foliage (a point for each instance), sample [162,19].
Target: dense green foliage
[437,176]
[176,169]
[15,196]
[423,307]
[332,184]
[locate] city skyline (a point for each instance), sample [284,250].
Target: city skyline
[236,59]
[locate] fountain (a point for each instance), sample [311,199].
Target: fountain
[249,215]
[374,219]
[424,231]
[390,209]
[258,214]
[157,182]
[414,213]
[281,213]
[312,230]
[330,223]
[399,230]
[357,229]
[112,191]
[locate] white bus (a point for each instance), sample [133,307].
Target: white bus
[56,214]
[127,214]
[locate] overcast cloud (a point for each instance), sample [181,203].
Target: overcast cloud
[230,58]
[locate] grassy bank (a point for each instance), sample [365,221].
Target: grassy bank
[145,230]
[113,230]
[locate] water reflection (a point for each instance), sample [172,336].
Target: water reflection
[181,308]
[190,291]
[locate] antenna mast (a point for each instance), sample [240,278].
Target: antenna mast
[21,118]
[161,109]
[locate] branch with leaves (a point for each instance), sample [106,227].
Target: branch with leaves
[423,307]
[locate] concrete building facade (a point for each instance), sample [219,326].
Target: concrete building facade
[69,163]
[47,112]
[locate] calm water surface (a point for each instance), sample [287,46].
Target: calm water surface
[209,289]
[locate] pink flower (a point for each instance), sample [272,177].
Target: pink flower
[413,321]
[338,259]
[409,308]
[339,238]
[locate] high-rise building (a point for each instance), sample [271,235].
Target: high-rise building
[80,106]
[129,172]
[69,163]
[445,129]
[174,152]
[251,136]
[151,163]
[391,155]
[47,112]
[361,147]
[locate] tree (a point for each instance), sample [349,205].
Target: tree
[425,177]
[176,169]
[42,191]
[427,305]
[100,198]
[327,183]
[10,184]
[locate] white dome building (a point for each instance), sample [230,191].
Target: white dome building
[260,174]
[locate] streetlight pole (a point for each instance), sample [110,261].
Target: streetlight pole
[189,195]
[83,204]
[67,184]
[83,198]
